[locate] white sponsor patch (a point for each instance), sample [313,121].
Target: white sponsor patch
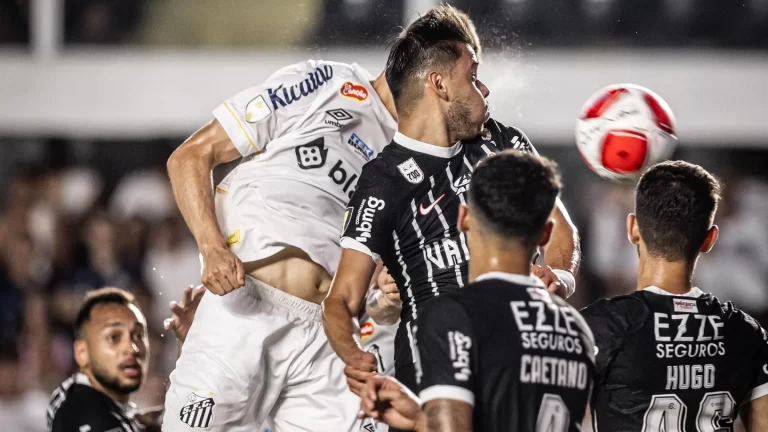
[411,171]
[684,305]
[257,110]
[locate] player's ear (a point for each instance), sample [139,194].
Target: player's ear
[547,233]
[633,230]
[436,81]
[463,221]
[710,240]
[81,353]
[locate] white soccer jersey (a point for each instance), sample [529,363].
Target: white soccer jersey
[305,133]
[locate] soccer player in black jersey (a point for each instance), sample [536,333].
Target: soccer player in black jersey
[669,356]
[504,354]
[111,351]
[406,203]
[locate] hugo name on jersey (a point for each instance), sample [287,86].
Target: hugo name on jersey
[674,363]
[304,134]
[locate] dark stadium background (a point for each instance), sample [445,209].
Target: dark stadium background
[96,94]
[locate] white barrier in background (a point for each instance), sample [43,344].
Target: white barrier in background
[719,97]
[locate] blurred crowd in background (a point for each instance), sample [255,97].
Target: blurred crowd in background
[77,215]
[663,23]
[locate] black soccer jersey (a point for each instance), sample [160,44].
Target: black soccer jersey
[404,211]
[674,363]
[521,356]
[76,406]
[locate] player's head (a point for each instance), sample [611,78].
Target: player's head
[437,57]
[511,197]
[111,345]
[675,204]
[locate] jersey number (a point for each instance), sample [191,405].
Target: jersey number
[553,414]
[667,413]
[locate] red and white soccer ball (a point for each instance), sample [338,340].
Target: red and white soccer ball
[623,130]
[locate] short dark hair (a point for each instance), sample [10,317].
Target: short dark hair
[675,203]
[514,193]
[431,41]
[107,295]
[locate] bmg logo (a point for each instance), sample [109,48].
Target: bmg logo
[312,155]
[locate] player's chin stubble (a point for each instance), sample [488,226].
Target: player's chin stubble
[459,119]
[112,383]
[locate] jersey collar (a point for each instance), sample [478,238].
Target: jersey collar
[695,292]
[519,279]
[430,149]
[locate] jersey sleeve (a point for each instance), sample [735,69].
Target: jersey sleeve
[446,359]
[367,224]
[257,115]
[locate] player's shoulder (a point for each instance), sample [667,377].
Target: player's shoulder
[506,137]
[75,401]
[388,170]
[627,311]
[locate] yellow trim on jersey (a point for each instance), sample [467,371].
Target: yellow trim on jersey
[219,189]
[242,128]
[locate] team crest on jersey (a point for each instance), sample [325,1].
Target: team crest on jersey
[257,110]
[198,411]
[486,134]
[411,171]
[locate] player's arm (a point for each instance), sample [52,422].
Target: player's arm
[189,169]
[344,300]
[563,252]
[384,305]
[243,125]
[446,415]
[447,358]
[366,231]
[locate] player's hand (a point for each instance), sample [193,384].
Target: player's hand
[360,368]
[388,401]
[184,313]
[553,282]
[222,270]
[390,295]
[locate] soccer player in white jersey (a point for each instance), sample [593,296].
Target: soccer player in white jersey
[270,241]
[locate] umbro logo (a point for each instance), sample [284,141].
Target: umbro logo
[425,211]
[336,116]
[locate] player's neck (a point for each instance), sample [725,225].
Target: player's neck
[117,397]
[673,277]
[382,89]
[493,259]
[423,123]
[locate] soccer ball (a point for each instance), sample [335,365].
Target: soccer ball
[623,130]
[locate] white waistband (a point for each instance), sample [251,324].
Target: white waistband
[263,292]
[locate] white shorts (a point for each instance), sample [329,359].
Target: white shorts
[259,354]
